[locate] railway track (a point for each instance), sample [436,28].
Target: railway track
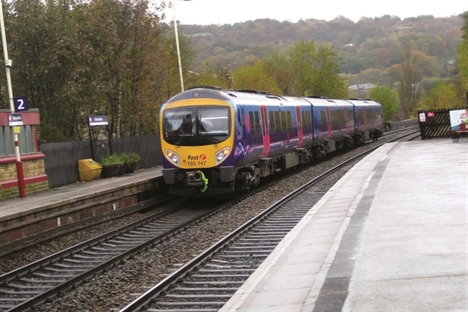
[24,243]
[208,281]
[27,287]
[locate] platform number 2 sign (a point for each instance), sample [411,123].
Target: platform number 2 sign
[21,104]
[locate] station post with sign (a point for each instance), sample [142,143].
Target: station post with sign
[96,121]
[24,126]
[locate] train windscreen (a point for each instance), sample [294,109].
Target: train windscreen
[195,126]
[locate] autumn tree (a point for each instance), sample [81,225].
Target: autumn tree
[316,71]
[408,81]
[462,58]
[255,77]
[277,66]
[443,95]
[217,76]
[82,58]
[388,99]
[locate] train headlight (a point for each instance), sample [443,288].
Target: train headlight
[221,155]
[173,157]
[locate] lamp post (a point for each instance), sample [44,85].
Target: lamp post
[8,63]
[177,44]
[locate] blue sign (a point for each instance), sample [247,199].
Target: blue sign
[21,104]
[98,121]
[15,120]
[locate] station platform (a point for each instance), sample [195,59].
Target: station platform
[391,235]
[24,217]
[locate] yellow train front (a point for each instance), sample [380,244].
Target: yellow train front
[197,139]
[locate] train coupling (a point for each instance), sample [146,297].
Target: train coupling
[197,178]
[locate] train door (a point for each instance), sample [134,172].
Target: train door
[300,133]
[329,124]
[365,116]
[346,119]
[240,125]
[265,132]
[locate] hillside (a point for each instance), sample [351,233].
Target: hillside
[367,48]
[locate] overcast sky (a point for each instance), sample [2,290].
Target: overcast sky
[205,12]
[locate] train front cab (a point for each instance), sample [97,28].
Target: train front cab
[197,135]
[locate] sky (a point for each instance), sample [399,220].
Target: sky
[206,12]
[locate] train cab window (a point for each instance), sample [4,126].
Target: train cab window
[199,125]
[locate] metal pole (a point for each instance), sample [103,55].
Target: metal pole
[8,63]
[177,46]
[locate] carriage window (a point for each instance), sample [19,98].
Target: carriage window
[306,120]
[323,117]
[289,121]
[277,122]
[283,121]
[272,121]
[252,123]
[361,116]
[257,124]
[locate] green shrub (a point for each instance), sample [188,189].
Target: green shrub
[129,158]
[112,159]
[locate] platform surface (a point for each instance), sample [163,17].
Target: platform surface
[72,192]
[391,235]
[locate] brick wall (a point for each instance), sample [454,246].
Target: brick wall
[34,175]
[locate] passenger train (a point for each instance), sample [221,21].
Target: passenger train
[217,142]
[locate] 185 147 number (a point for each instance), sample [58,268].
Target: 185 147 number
[193,163]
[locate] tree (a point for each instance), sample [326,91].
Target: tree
[278,67]
[408,81]
[78,58]
[443,95]
[388,99]
[255,77]
[462,58]
[316,71]
[218,76]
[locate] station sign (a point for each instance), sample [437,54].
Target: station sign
[21,104]
[98,120]
[15,120]
[457,118]
[422,117]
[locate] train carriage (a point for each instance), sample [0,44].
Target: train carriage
[369,122]
[220,141]
[333,125]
